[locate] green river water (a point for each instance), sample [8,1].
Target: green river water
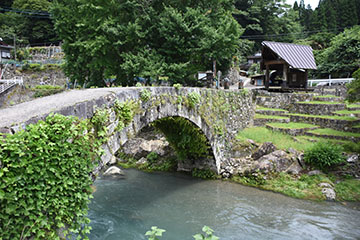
[125,208]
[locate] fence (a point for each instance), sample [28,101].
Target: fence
[6,84]
[330,81]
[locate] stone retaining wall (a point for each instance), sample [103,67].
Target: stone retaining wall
[341,125]
[280,100]
[272,113]
[262,121]
[337,90]
[290,131]
[354,139]
[316,109]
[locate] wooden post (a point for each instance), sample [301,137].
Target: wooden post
[267,77]
[285,78]
[306,78]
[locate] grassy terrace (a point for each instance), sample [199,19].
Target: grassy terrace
[281,140]
[346,118]
[356,126]
[320,102]
[284,141]
[327,96]
[348,112]
[270,109]
[352,105]
[292,125]
[329,131]
[260,116]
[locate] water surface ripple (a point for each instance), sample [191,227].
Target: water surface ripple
[127,208]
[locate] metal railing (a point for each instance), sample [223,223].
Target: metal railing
[330,81]
[6,84]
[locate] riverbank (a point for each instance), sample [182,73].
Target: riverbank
[274,169]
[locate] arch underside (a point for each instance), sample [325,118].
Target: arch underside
[142,120]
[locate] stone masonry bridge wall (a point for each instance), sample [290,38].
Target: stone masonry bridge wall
[219,114]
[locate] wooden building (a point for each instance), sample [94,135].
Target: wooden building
[288,64]
[5,51]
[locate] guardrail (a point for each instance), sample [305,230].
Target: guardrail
[6,84]
[330,81]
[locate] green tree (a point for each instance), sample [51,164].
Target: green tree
[354,88]
[342,58]
[29,20]
[131,38]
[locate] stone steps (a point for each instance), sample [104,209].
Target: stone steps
[316,108]
[329,136]
[291,131]
[329,98]
[275,112]
[349,114]
[261,120]
[326,121]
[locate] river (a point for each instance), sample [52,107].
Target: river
[126,208]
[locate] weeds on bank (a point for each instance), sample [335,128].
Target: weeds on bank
[282,141]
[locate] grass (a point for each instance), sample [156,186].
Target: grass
[292,125]
[349,146]
[347,118]
[327,96]
[305,187]
[320,102]
[348,112]
[280,140]
[348,190]
[270,109]
[329,131]
[356,126]
[260,116]
[352,105]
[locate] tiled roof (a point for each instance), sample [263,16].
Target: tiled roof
[297,56]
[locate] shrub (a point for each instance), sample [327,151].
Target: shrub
[46,90]
[177,86]
[354,87]
[45,179]
[324,155]
[193,99]
[203,173]
[138,85]
[152,157]
[145,95]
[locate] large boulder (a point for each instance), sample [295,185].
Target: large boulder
[277,161]
[113,171]
[264,149]
[139,147]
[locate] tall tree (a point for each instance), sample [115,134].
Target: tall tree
[129,38]
[342,58]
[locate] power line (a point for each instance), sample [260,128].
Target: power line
[261,36]
[38,12]
[27,13]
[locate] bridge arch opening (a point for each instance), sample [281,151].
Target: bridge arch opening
[190,147]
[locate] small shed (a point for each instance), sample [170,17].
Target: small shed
[5,51]
[291,63]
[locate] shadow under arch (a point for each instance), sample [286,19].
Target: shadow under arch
[142,120]
[191,145]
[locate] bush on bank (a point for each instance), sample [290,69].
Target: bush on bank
[45,179]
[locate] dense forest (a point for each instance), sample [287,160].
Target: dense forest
[177,38]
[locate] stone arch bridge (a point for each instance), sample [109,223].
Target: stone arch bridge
[220,114]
